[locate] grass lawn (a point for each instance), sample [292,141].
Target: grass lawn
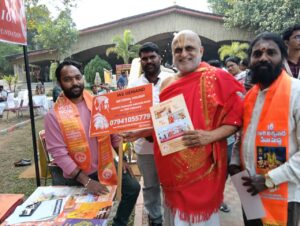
[14,146]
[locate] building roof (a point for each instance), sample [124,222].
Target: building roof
[149,15]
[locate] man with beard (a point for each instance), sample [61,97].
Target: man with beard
[193,179]
[149,54]
[270,145]
[74,151]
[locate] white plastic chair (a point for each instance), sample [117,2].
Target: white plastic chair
[11,106]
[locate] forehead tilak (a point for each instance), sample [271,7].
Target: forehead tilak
[179,41]
[264,45]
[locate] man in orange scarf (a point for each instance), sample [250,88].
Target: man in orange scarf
[74,151]
[270,148]
[193,179]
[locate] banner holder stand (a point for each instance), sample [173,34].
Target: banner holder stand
[33,132]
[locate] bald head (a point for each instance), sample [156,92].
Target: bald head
[182,35]
[187,51]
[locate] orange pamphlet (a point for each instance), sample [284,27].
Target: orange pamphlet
[170,119]
[122,111]
[88,210]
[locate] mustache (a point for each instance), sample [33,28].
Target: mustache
[150,64]
[75,86]
[262,64]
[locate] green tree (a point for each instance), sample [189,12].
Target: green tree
[44,31]
[5,50]
[258,15]
[11,81]
[52,70]
[95,65]
[37,17]
[235,49]
[59,34]
[125,47]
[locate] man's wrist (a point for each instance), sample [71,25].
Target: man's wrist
[77,174]
[87,183]
[269,183]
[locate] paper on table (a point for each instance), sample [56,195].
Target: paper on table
[48,209]
[252,205]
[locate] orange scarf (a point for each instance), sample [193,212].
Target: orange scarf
[271,143]
[75,138]
[193,179]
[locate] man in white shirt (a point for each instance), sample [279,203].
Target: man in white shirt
[291,37]
[270,136]
[149,54]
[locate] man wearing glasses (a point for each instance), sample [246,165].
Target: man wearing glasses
[291,37]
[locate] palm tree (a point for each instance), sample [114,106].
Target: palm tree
[235,49]
[124,47]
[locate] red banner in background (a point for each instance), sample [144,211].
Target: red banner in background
[13,22]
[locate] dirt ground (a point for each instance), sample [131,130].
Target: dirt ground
[14,146]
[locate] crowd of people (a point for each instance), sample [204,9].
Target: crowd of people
[246,116]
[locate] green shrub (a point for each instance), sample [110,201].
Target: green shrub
[95,65]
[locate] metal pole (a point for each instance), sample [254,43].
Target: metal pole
[35,154]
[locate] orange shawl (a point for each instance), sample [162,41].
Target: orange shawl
[75,138]
[271,143]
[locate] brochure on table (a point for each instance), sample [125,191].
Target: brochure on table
[50,208]
[170,119]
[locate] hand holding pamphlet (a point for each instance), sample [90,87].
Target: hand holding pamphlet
[170,119]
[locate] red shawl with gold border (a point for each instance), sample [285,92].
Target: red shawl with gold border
[193,179]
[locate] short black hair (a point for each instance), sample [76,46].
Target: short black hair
[66,63]
[244,62]
[149,47]
[269,36]
[287,33]
[233,59]
[215,63]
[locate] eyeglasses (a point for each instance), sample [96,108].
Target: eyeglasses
[297,37]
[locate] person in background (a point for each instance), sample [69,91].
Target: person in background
[3,97]
[244,64]
[270,141]
[39,89]
[230,140]
[193,179]
[149,54]
[122,81]
[103,89]
[232,65]
[215,63]
[81,166]
[56,92]
[3,94]
[94,89]
[291,38]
